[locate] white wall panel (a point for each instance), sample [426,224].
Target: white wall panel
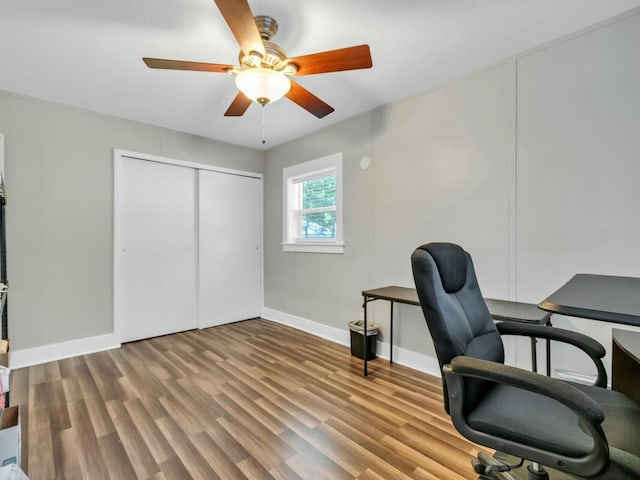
[578,170]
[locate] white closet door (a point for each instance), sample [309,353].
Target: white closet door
[230,248]
[157,241]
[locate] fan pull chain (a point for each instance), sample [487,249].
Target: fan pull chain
[263,139]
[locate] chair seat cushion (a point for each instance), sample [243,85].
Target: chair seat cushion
[529,418]
[621,418]
[545,423]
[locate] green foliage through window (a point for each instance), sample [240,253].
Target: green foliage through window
[319,193]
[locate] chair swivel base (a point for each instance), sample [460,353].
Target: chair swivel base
[536,474]
[523,473]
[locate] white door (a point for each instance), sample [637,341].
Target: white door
[156,282]
[230,248]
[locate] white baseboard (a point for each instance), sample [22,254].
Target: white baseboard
[57,351]
[330,333]
[576,377]
[82,346]
[408,358]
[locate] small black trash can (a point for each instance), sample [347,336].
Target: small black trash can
[357,331]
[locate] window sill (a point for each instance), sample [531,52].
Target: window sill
[313,247]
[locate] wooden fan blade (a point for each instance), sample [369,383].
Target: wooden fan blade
[182,65]
[238,16]
[238,106]
[350,58]
[307,100]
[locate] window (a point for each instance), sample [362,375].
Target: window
[313,206]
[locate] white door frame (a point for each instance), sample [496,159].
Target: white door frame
[119,156]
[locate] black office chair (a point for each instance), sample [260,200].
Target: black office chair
[582,430]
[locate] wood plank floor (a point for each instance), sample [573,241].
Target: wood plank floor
[253,399]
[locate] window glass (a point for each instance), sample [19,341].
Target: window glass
[319,192]
[319,225]
[313,206]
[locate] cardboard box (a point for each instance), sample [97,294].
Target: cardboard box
[10,436]
[12,472]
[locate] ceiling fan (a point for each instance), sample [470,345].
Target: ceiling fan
[263,74]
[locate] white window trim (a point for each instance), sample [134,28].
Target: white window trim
[292,175]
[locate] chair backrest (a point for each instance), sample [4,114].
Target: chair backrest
[456,313]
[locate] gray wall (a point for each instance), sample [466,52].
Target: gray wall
[579,166]
[531,165]
[59,180]
[313,286]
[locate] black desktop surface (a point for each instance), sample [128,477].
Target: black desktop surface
[600,297]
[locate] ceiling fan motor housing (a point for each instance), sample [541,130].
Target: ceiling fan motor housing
[275,57]
[267,26]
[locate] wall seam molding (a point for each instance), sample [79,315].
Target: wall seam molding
[514,214]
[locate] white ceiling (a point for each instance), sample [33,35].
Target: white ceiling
[87,53]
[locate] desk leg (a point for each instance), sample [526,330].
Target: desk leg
[549,352]
[364,347]
[391,335]
[534,355]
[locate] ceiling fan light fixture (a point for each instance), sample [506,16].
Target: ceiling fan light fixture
[263,66]
[263,85]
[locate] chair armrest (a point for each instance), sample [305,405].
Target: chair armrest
[588,345]
[589,412]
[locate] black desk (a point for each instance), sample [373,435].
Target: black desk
[598,297]
[500,310]
[625,363]
[392,294]
[601,297]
